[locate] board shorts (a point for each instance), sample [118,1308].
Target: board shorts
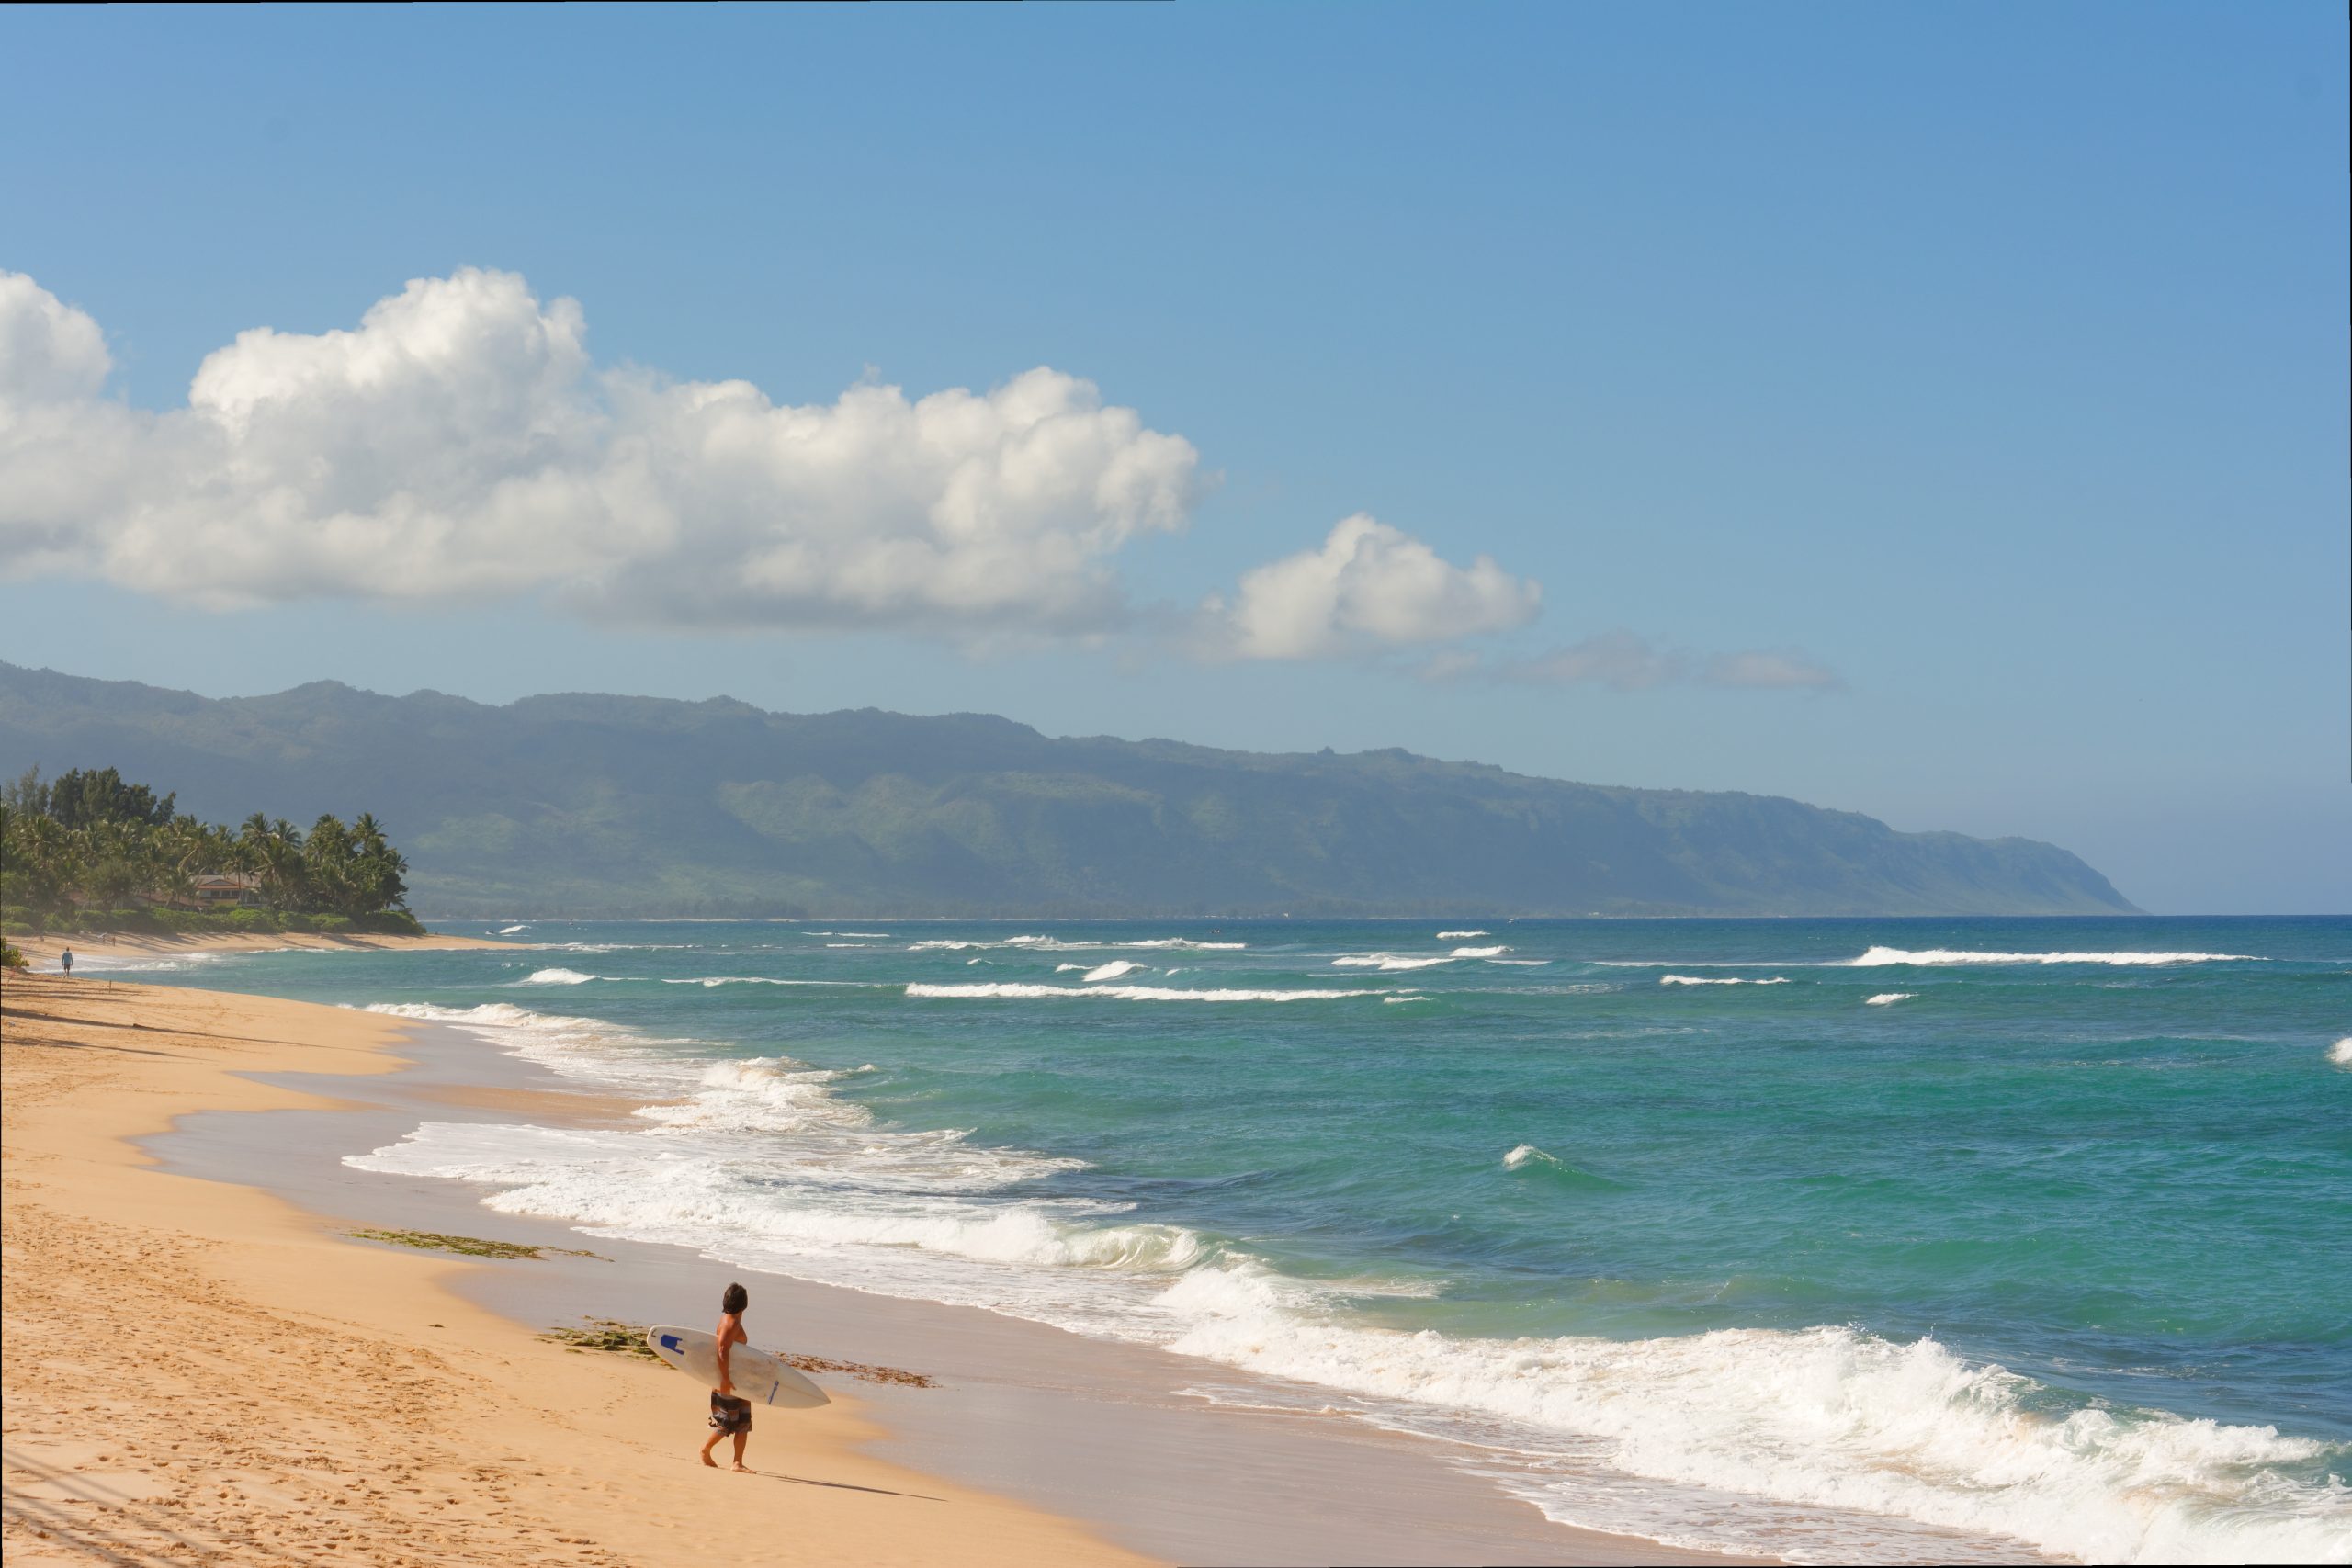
[729,1417]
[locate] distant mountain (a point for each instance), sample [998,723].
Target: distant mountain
[578,805]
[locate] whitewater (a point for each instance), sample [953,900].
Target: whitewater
[1742,1254]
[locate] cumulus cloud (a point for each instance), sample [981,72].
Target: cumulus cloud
[1370,587]
[459,443]
[1624,661]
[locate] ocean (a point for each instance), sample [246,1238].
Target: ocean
[1814,1238]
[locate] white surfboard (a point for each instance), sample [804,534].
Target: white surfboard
[757,1376]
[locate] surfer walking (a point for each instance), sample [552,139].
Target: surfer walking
[729,1417]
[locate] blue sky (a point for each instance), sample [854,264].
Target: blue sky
[1937,413]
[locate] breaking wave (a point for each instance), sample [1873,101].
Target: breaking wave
[1054,944]
[1710,1439]
[1888,999]
[2341,1052]
[1830,1417]
[1457,936]
[1877,957]
[1127,993]
[1388,961]
[1706,980]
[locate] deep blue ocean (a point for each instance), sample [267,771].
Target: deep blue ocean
[1813,1237]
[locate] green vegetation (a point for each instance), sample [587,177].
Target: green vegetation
[89,851]
[596,805]
[472,1245]
[10,958]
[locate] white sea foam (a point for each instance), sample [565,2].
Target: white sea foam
[709,980]
[1480,952]
[883,935]
[1457,936]
[1709,980]
[1522,963]
[1054,944]
[555,978]
[1754,1432]
[1407,996]
[1828,1416]
[91,964]
[1888,999]
[2341,1052]
[1388,961]
[1126,993]
[1877,957]
[1110,971]
[510,930]
[849,944]
[575,1047]
[605,946]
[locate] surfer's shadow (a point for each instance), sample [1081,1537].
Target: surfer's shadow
[845,1486]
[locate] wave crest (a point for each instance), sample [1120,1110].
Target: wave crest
[1879,957]
[1012,990]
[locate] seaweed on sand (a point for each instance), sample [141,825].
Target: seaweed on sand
[471,1245]
[604,1334]
[629,1339]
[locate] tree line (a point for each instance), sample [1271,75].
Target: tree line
[89,843]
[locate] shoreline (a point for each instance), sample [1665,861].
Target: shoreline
[340,1402]
[1098,1432]
[1070,1429]
[43,950]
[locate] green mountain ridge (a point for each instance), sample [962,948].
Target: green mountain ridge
[582,805]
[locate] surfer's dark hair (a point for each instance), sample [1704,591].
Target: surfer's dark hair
[736,1298]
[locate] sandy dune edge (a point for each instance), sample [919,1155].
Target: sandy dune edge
[197,1373]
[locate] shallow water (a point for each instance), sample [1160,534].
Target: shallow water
[1771,1235]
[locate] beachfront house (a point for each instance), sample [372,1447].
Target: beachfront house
[241,890]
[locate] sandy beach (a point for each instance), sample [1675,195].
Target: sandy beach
[42,951]
[327,1399]
[197,1373]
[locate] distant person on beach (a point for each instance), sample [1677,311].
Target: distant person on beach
[729,1417]
[66,958]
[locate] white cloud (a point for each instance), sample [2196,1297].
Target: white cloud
[49,351]
[1370,587]
[1626,663]
[459,443]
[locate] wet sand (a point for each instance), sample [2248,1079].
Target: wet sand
[1063,1447]
[1101,1433]
[197,1373]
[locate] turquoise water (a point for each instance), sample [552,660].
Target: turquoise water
[1785,1236]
